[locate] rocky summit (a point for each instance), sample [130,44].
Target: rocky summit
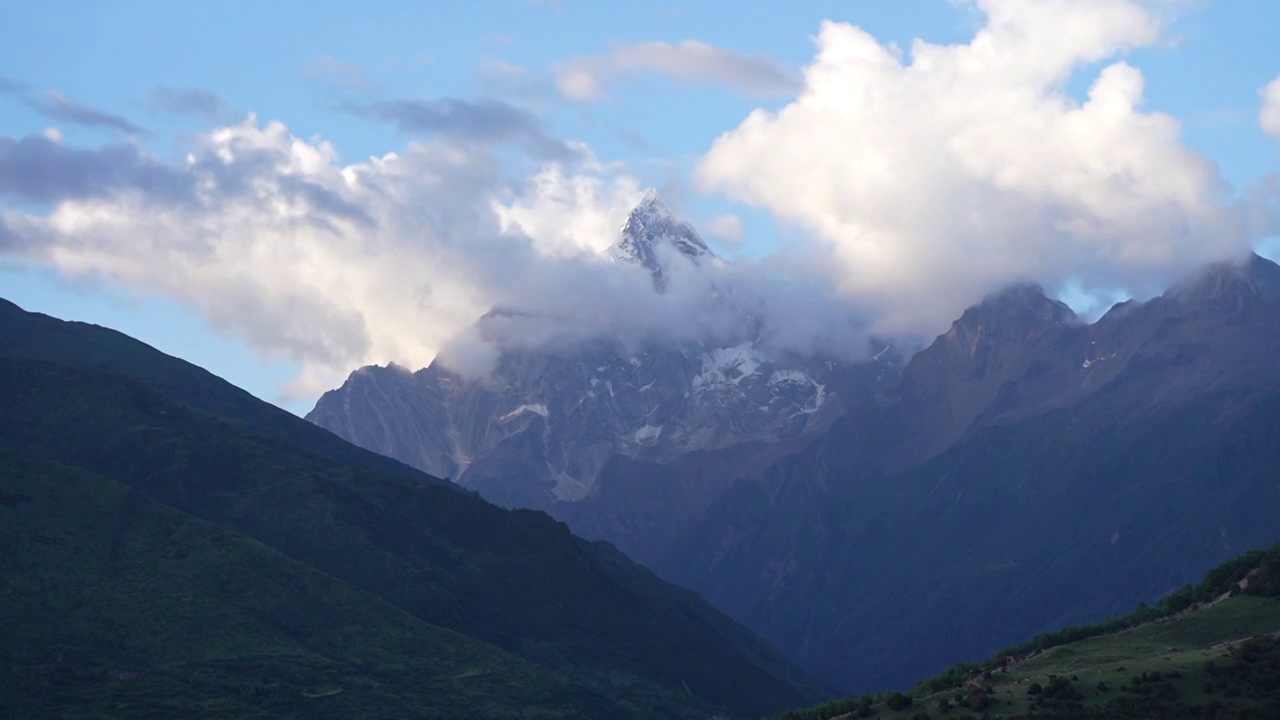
[652,237]
[542,428]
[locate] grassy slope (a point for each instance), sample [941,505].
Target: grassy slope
[114,605]
[1176,647]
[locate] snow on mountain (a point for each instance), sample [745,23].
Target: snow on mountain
[651,236]
[728,366]
[544,426]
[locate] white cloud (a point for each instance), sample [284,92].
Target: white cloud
[1270,115]
[587,78]
[566,213]
[279,244]
[924,185]
[728,228]
[275,242]
[969,168]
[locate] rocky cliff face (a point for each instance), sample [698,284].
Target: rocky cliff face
[540,430]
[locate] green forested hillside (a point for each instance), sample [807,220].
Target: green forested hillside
[1208,651]
[112,605]
[163,559]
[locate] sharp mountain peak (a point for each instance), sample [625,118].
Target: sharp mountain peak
[1254,276]
[1014,308]
[652,225]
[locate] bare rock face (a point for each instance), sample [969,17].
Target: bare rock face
[540,430]
[649,228]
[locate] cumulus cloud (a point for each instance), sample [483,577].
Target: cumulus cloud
[570,211]
[1269,118]
[485,121]
[728,228]
[924,185]
[969,167]
[273,240]
[584,298]
[690,61]
[190,102]
[53,104]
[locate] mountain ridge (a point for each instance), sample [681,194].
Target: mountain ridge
[650,231]
[583,613]
[1162,408]
[559,414]
[775,528]
[1208,650]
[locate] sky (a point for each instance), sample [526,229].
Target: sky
[284,191]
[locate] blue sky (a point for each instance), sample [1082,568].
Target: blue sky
[307,63]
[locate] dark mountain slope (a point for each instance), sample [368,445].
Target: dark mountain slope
[115,603]
[1030,471]
[92,347]
[516,580]
[644,507]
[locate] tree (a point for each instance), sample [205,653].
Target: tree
[897,701]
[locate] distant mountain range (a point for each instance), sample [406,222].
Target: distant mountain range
[543,431]
[173,547]
[881,520]
[1028,472]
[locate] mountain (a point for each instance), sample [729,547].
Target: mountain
[651,233]
[1211,650]
[1029,471]
[91,347]
[1025,471]
[131,607]
[557,427]
[174,547]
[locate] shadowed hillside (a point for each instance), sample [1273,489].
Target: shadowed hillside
[441,572]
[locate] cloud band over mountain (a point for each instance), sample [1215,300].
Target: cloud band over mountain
[919,186]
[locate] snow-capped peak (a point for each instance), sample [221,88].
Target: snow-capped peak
[651,225]
[652,204]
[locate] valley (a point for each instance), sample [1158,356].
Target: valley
[572,360]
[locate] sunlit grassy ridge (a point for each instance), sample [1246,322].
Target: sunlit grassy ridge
[1207,651]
